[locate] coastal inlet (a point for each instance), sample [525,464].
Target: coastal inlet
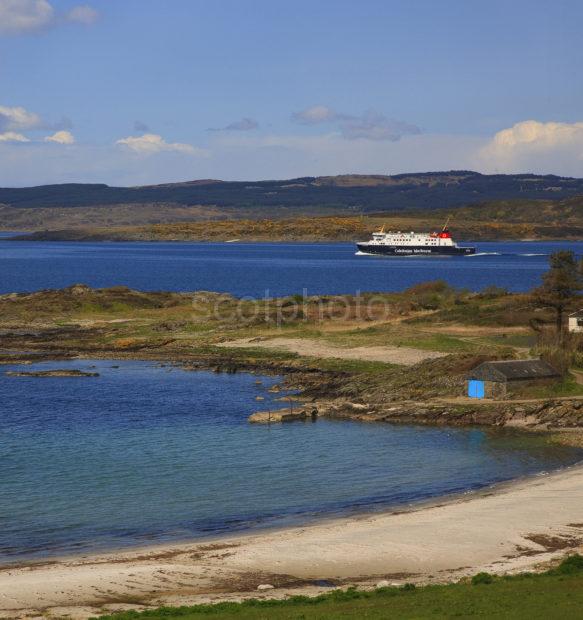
[146,453]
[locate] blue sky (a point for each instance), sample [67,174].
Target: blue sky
[147,91]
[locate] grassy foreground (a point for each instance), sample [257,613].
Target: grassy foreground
[554,594]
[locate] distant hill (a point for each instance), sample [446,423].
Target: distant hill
[403,191]
[556,212]
[508,219]
[52,206]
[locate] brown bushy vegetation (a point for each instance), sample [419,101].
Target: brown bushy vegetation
[513,219]
[561,355]
[81,298]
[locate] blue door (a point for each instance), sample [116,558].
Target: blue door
[475,389]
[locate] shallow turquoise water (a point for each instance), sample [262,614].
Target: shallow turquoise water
[147,454]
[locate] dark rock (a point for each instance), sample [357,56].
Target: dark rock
[51,373]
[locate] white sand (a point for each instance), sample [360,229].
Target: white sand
[315,348]
[443,541]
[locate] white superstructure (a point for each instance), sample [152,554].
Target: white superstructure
[405,239]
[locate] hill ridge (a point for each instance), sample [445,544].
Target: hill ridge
[351,192]
[61,206]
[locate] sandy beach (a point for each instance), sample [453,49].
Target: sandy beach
[513,527]
[314,348]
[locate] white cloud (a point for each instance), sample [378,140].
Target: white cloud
[40,163]
[371,125]
[315,115]
[538,135]
[27,16]
[20,16]
[239,155]
[82,14]
[151,143]
[536,146]
[61,137]
[17,118]
[12,136]
[235,156]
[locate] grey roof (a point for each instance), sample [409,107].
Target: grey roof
[513,370]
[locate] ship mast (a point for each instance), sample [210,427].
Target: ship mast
[446,223]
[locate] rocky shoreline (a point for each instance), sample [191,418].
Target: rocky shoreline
[549,416]
[317,394]
[180,329]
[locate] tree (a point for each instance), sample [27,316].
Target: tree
[561,283]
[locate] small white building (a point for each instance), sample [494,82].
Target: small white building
[576,322]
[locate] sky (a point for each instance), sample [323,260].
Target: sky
[134,92]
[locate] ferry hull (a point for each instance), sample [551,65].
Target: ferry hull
[391,250]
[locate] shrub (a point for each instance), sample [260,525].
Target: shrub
[482,579]
[432,286]
[493,292]
[559,358]
[570,565]
[347,595]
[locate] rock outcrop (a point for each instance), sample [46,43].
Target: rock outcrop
[541,415]
[282,415]
[51,373]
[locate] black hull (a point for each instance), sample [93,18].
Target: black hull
[388,250]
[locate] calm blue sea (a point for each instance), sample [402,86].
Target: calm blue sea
[146,454]
[259,269]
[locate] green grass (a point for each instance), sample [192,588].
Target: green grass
[438,342]
[389,335]
[555,594]
[352,366]
[113,307]
[197,328]
[512,340]
[566,387]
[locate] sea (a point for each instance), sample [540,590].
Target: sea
[264,269]
[147,453]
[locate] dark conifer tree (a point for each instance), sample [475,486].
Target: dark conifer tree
[561,283]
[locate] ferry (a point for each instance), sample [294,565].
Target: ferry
[413,244]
